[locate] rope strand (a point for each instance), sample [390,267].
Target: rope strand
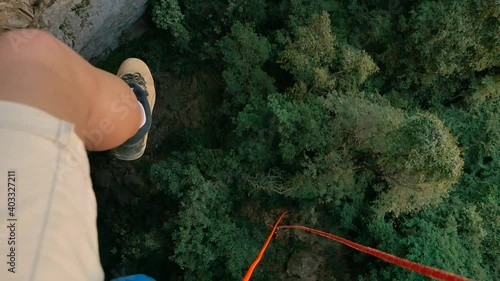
[422,269]
[261,252]
[416,267]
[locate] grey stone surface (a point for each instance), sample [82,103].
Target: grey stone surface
[91,27]
[303,266]
[15,14]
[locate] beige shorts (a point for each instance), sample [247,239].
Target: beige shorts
[47,206]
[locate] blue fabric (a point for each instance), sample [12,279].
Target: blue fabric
[138,277]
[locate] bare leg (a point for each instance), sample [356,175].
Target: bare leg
[38,70]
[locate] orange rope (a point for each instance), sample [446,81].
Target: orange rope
[262,250]
[419,268]
[422,269]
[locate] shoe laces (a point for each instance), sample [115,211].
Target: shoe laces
[135,78]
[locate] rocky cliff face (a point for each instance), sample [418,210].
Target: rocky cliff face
[91,27]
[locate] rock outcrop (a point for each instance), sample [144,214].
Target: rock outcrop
[91,27]
[303,266]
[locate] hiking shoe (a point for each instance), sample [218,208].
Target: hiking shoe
[138,76]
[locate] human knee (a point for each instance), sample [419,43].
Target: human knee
[26,42]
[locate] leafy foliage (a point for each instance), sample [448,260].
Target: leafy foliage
[311,53]
[245,52]
[167,15]
[421,163]
[206,235]
[378,122]
[436,49]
